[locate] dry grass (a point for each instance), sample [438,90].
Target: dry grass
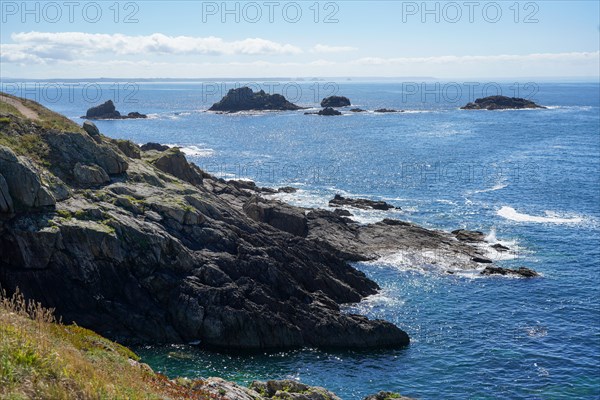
[42,358]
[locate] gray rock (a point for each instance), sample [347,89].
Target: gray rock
[91,128]
[90,174]
[6,204]
[292,390]
[279,215]
[129,148]
[465,235]
[522,272]
[23,183]
[154,146]
[173,162]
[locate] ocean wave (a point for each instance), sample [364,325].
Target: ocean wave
[498,186]
[550,217]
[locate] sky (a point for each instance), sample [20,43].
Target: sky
[206,39]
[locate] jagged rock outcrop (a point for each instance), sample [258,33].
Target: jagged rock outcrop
[245,99]
[107,110]
[339,201]
[335,101]
[500,103]
[173,161]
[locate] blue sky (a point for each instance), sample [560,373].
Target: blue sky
[195,39]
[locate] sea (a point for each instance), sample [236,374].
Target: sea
[528,179]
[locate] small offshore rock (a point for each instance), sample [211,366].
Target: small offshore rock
[357,110]
[328,111]
[500,103]
[335,101]
[245,99]
[521,271]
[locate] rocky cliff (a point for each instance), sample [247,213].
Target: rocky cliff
[140,245]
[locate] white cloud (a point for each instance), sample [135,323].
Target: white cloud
[44,47]
[536,57]
[323,48]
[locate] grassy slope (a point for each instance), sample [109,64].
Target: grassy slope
[41,358]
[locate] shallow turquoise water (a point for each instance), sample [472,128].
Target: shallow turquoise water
[529,178]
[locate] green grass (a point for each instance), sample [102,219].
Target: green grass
[42,358]
[30,145]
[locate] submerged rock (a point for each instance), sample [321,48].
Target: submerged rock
[328,111]
[245,99]
[521,271]
[357,110]
[387,110]
[500,103]
[339,201]
[387,396]
[465,235]
[154,146]
[335,101]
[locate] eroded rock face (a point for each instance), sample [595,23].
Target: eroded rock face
[335,101]
[279,215]
[6,203]
[68,149]
[500,103]
[25,190]
[245,99]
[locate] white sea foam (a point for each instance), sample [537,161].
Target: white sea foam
[550,217]
[193,151]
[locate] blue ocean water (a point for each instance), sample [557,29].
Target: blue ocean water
[530,179]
